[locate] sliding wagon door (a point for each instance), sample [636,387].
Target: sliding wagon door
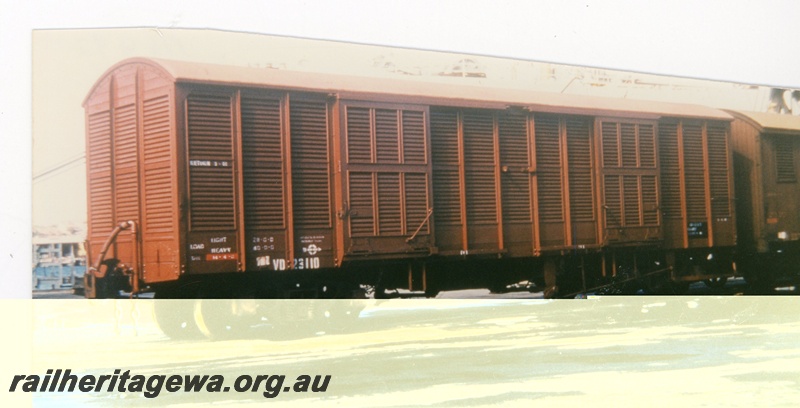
[387,178]
[629,181]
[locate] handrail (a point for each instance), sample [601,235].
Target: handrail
[414,235]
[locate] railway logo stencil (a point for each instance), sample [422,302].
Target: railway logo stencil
[311,249]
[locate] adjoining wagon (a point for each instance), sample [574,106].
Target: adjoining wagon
[767,166]
[216,181]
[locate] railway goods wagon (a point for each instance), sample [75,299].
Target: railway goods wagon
[216,181]
[767,166]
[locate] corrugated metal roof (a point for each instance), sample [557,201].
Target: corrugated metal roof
[770,121]
[426,92]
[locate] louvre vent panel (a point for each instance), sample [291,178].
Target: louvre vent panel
[390,221]
[579,154]
[310,165]
[127,196]
[156,129]
[631,200]
[517,198]
[514,139]
[100,141]
[126,183]
[414,142]
[516,186]
[694,172]
[386,136]
[158,188]
[447,197]
[261,131]
[311,199]
[100,189]
[613,204]
[718,171]
[649,201]
[444,138]
[362,220]
[416,189]
[101,205]
[158,206]
[264,194]
[210,144]
[480,168]
[548,165]
[359,135]
[446,185]
[670,170]
[610,142]
[125,136]
[784,160]
[479,139]
[647,146]
[212,204]
[482,206]
[309,128]
[210,127]
[262,157]
[628,145]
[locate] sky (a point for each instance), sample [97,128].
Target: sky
[738,41]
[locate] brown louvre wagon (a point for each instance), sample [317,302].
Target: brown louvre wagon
[216,181]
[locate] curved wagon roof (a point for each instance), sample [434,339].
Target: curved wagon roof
[421,91]
[770,122]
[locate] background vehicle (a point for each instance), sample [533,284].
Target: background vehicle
[767,162]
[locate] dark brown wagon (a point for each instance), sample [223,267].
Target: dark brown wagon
[767,166]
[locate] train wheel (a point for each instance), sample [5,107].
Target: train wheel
[220,319]
[215,318]
[717,282]
[175,319]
